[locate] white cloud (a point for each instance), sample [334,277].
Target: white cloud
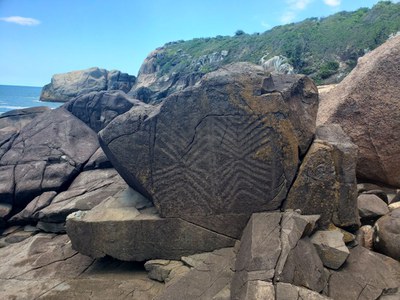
[332,2]
[21,20]
[298,4]
[288,17]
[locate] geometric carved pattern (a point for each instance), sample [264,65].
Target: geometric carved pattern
[230,163]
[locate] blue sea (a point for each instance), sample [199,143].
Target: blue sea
[17,97]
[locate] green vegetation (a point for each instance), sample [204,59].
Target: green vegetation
[317,47]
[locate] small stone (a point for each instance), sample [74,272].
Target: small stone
[365,236]
[331,248]
[160,269]
[371,207]
[393,206]
[381,194]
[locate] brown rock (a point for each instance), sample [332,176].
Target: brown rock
[225,146]
[367,106]
[326,183]
[387,234]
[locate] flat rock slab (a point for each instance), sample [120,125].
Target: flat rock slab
[206,280]
[46,267]
[118,229]
[366,275]
[227,145]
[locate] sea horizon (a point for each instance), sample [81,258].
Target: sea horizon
[21,96]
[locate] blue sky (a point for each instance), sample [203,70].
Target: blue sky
[42,37]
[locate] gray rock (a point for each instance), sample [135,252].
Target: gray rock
[260,248]
[64,87]
[381,194]
[304,267]
[51,227]
[387,234]
[47,155]
[257,290]
[366,275]
[286,291]
[118,229]
[326,183]
[221,147]
[268,241]
[331,248]
[29,213]
[371,207]
[98,160]
[19,118]
[204,283]
[165,270]
[46,267]
[89,189]
[97,109]
[293,227]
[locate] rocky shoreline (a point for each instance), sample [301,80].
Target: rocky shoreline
[245,184]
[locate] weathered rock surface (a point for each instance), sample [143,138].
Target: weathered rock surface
[45,267]
[326,183]
[207,280]
[366,275]
[19,118]
[330,247]
[371,207]
[229,145]
[66,86]
[97,109]
[286,291]
[151,86]
[365,236]
[87,190]
[165,270]
[271,250]
[46,156]
[387,234]
[122,227]
[367,106]
[98,160]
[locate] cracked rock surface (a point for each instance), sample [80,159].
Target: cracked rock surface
[228,145]
[127,227]
[326,183]
[47,155]
[46,267]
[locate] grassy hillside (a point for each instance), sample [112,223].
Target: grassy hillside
[326,49]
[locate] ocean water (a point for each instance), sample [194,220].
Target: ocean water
[17,97]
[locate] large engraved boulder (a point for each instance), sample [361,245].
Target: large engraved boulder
[229,145]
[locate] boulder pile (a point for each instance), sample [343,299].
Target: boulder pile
[226,189]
